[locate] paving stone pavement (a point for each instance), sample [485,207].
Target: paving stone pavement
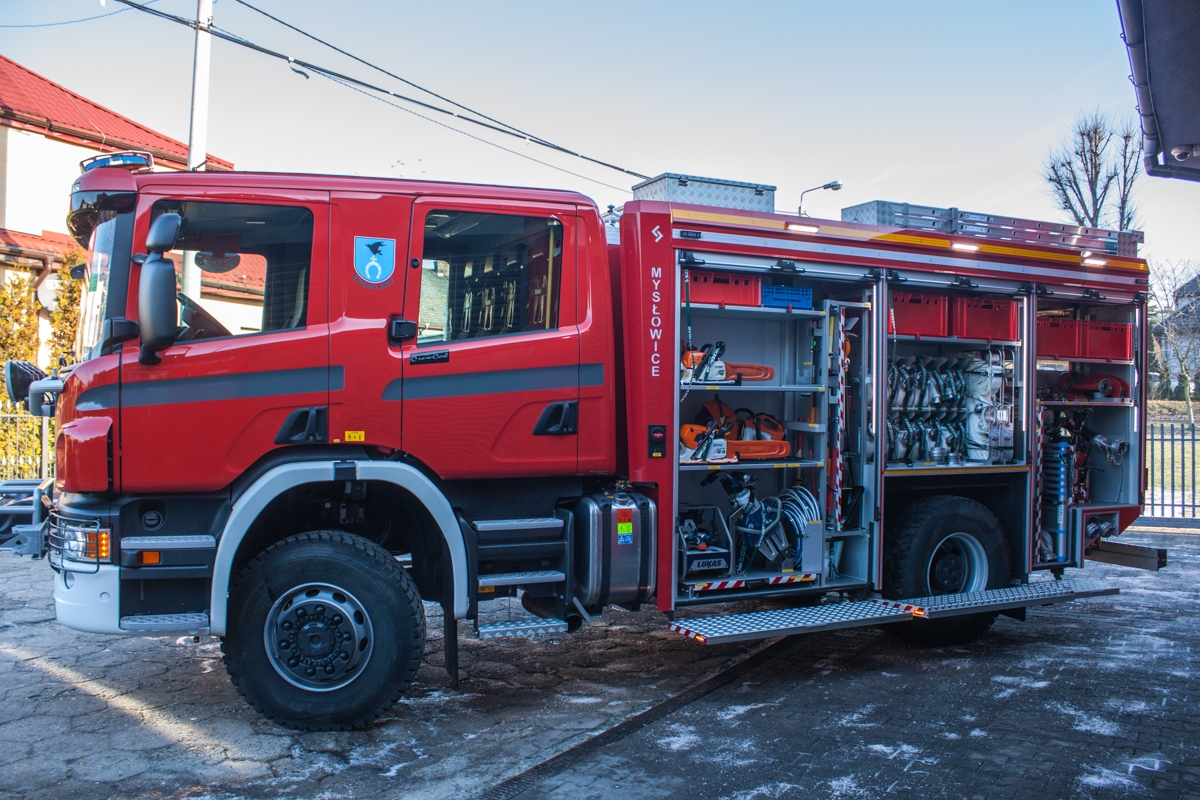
[1095,699]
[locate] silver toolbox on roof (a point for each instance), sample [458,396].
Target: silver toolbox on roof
[672,187]
[614,547]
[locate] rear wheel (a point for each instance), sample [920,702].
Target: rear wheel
[945,545]
[325,631]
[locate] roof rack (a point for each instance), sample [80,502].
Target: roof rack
[992,226]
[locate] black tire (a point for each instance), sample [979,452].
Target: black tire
[367,678]
[939,525]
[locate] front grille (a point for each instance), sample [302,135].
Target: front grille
[76,545]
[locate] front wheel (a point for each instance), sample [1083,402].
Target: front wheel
[945,545]
[325,631]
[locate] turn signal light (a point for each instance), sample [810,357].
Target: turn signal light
[102,546]
[148,558]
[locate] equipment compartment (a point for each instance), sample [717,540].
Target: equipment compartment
[1087,429]
[790,384]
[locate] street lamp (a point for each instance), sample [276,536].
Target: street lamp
[835,185]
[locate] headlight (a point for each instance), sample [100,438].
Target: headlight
[81,542]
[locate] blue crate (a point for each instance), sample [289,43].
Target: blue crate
[784,296]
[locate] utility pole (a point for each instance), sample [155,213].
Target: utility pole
[198,130]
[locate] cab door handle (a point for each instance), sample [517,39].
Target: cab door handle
[557,419]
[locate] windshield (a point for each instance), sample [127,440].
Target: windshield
[93,306]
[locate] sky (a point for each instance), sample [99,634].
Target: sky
[936,103]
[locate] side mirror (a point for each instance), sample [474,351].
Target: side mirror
[164,233]
[157,313]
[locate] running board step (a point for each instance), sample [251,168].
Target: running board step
[522,627]
[522,578]
[790,621]
[526,524]
[163,623]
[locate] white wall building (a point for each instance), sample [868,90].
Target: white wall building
[45,131]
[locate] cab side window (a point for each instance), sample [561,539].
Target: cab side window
[253,263]
[488,275]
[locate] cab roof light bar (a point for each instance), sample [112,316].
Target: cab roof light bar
[132,160]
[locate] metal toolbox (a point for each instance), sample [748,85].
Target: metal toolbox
[614,547]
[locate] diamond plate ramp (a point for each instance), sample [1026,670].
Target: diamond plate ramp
[787,621]
[1031,594]
[790,621]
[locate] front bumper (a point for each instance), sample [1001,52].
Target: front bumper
[89,601]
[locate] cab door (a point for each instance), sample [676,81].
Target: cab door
[491,378]
[249,371]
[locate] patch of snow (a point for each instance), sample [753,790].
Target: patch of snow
[1101,778]
[768,790]
[845,787]
[904,750]
[1128,706]
[684,738]
[736,711]
[977,733]
[1086,722]
[855,719]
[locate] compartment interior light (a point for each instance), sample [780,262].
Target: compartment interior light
[1095,262]
[797,227]
[964,247]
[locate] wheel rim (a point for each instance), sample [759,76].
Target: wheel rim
[318,637]
[958,564]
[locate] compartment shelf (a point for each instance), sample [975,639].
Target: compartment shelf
[752,312]
[951,340]
[845,534]
[928,468]
[782,463]
[1101,403]
[1112,361]
[808,388]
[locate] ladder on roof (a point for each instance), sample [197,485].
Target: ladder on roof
[832,616]
[994,226]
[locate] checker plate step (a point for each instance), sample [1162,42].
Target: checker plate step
[520,578]
[789,621]
[533,626]
[1030,594]
[192,621]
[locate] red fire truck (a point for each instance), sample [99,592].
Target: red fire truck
[438,392]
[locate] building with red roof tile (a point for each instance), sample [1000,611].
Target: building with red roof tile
[45,131]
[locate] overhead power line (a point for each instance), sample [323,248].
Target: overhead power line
[516,153]
[73,21]
[402,79]
[347,79]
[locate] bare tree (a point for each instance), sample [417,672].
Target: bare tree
[1175,323]
[1093,173]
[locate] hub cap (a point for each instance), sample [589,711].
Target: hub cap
[958,564]
[318,637]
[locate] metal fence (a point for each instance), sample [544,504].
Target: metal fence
[25,450]
[1171,470]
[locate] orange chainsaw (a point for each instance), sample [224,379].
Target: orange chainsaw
[707,366]
[760,436]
